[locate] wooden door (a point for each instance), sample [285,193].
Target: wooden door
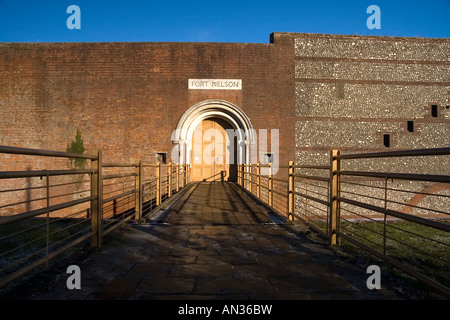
[211,156]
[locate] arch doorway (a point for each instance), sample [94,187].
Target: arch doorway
[214,136]
[214,151]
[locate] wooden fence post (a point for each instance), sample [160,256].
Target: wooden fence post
[291,189]
[190,172]
[138,187]
[335,167]
[270,186]
[183,175]
[177,172]
[238,174]
[158,183]
[96,203]
[250,177]
[258,180]
[170,169]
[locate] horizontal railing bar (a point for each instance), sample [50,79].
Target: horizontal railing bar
[22,202]
[23,189]
[116,191]
[311,167]
[323,212]
[314,192]
[311,184]
[247,166]
[414,234]
[308,222]
[324,202]
[66,184]
[311,177]
[404,216]
[43,187]
[119,196]
[115,176]
[280,193]
[400,153]
[418,207]
[37,212]
[67,194]
[281,180]
[38,199]
[366,196]
[264,186]
[45,153]
[352,182]
[415,192]
[43,173]
[115,225]
[120,165]
[154,165]
[401,176]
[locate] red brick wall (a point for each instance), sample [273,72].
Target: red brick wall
[127,98]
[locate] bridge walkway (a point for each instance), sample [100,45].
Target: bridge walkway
[212,242]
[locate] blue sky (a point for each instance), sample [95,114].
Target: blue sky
[215,20]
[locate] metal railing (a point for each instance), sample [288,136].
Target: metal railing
[400,218]
[44,213]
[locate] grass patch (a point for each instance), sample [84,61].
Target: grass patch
[421,248]
[26,241]
[424,249]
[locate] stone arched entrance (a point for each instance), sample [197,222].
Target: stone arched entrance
[213,136]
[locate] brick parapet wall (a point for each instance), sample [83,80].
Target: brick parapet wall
[127,98]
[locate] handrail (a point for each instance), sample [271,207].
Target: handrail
[88,208]
[34,213]
[312,177]
[45,153]
[327,167]
[397,214]
[119,196]
[399,153]
[43,173]
[119,175]
[336,205]
[304,195]
[120,165]
[320,201]
[400,176]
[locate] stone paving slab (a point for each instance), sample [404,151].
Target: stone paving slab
[200,250]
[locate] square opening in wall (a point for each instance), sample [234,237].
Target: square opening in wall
[161,157]
[340,90]
[410,125]
[268,158]
[434,111]
[387,140]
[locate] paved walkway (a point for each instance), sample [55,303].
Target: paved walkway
[212,243]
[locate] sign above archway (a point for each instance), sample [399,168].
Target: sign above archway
[215,84]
